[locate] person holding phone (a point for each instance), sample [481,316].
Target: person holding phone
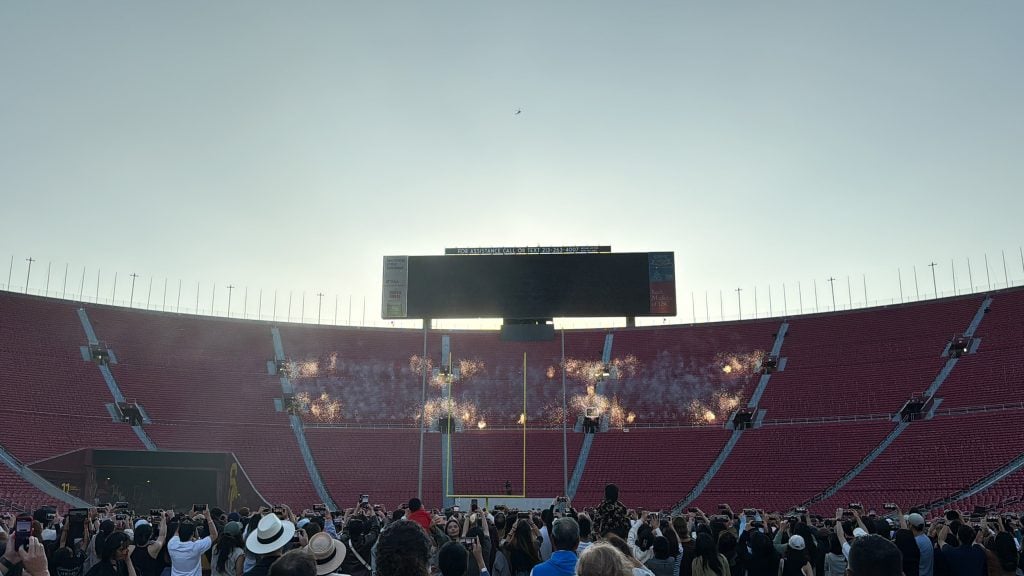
[186,551]
[29,558]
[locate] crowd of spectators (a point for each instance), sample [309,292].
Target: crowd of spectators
[608,540]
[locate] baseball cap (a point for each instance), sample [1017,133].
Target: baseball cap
[915,519]
[796,542]
[233,528]
[141,522]
[858,532]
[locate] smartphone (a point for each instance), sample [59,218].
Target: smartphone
[22,531]
[693,510]
[456,509]
[279,510]
[155,512]
[468,543]
[76,522]
[121,506]
[889,506]
[320,508]
[377,508]
[855,506]
[801,510]
[523,516]
[199,507]
[473,505]
[364,499]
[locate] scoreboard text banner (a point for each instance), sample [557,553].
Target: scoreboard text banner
[395,287]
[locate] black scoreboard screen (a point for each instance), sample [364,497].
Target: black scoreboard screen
[529,286]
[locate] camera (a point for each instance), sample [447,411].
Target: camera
[889,506]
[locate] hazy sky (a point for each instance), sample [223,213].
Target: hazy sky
[291,145]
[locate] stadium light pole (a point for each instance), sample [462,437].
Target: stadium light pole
[832,283]
[815,294]
[899,276]
[770,311]
[785,304]
[1006,275]
[988,274]
[319,305]
[131,293]
[163,302]
[707,309]
[149,293]
[113,292]
[935,286]
[864,277]
[28,274]
[917,287]
[231,288]
[46,291]
[423,412]
[970,277]
[10,270]
[81,287]
[565,417]
[952,267]
[849,292]
[739,303]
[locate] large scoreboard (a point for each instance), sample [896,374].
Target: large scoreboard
[527,284]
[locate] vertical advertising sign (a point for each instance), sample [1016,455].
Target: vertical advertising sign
[395,288]
[662,276]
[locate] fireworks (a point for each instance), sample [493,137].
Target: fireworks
[550,372]
[591,371]
[481,424]
[451,408]
[320,409]
[418,364]
[471,368]
[742,364]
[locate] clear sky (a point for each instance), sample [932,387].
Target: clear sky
[290,145]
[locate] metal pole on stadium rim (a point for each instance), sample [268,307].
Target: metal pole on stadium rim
[988,275]
[935,286]
[163,302]
[815,294]
[81,287]
[721,306]
[319,305]
[565,416]
[770,311]
[739,303]
[423,410]
[785,304]
[864,277]
[64,290]
[10,270]
[832,282]
[289,306]
[755,300]
[952,267]
[113,292]
[231,288]
[197,297]
[899,276]
[28,275]
[131,293]
[97,297]
[49,264]
[970,277]
[1006,275]
[149,293]
[245,301]
[707,310]
[800,295]
[335,309]
[849,292]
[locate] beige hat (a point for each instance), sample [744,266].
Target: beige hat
[329,553]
